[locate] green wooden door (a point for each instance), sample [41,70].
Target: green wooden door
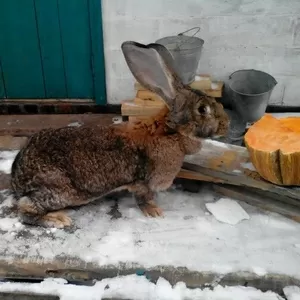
[51,49]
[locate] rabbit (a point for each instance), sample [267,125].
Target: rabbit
[72,166]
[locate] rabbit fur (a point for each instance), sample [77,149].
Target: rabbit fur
[71,166]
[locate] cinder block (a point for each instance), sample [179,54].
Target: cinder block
[115,64]
[279,7]
[119,89]
[132,9]
[140,30]
[291,94]
[236,30]
[296,31]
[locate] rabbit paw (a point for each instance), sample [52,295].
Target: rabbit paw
[150,209]
[57,219]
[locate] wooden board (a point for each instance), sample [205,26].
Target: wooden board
[232,164]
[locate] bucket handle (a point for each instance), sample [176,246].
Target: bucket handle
[198,29]
[230,76]
[182,33]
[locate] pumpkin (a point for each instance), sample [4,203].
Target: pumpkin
[274,149]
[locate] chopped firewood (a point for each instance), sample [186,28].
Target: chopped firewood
[129,108]
[201,82]
[216,89]
[150,96]
[140,101]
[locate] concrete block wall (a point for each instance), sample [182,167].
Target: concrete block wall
[238,34]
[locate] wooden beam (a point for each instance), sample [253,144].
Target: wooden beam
[232,164]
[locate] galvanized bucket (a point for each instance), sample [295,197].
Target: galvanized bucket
[251,91]
[186,52]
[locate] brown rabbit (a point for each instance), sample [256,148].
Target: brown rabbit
[70,166]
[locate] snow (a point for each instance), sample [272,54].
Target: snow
[188,236]
[200,78]
[208,142]
[248,166]
[6,160]
[136,288]
[214,86]
[228,211]
[292,292]
[75,124]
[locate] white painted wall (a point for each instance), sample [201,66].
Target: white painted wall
[238,34]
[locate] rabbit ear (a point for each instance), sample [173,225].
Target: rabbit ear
[152,66]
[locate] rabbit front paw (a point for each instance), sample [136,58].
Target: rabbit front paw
[150,209]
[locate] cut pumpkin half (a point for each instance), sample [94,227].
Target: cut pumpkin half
[274,149]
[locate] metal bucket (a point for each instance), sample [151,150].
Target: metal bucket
[186,52]
[251,91]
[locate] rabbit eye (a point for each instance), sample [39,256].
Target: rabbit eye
[203,109]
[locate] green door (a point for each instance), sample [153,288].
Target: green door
[51,49]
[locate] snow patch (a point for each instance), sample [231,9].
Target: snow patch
[227,211]
[248,166]
[75,124]
[8,224]
[6,160]
[136,288]
[200,78]
[214,86]
[292,292]
[213,142]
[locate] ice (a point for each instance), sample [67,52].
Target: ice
[227,211]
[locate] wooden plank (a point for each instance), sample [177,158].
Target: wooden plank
[263,201]
[232,164]
[186,174]
[19,50]
[98,60]
[2,84]
[76,41]
[51,48]
[203,82]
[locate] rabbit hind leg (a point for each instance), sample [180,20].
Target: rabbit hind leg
[42,208]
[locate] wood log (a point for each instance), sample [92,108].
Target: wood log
[232,164]
[263,200]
